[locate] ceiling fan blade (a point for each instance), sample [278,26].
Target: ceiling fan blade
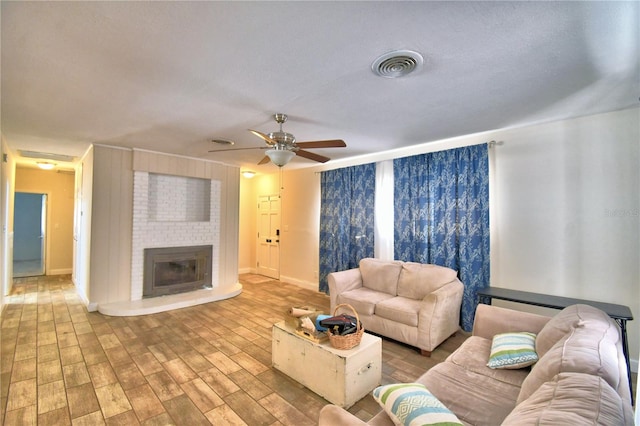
[238,149]
[312,156]
[265,160]
[264,137]
[333,143]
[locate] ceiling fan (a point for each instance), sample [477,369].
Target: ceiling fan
[282,146]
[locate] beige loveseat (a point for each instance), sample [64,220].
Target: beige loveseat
[413,303]
[580,377]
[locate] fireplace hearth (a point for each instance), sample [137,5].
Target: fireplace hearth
[172,270]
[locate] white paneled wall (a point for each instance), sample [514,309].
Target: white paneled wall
[169,211]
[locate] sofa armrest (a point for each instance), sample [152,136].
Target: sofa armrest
[491,320]
[342,281]
[439,316]
[332,415]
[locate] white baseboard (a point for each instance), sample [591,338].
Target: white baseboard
[91,307]
[300,283]
[65,271]
[304,284]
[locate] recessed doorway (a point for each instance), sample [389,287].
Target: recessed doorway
[29,230]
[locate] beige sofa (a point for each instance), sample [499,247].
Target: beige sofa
[580,377]
[413,303]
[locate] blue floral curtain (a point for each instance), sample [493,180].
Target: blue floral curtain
[441,207]
[346,219]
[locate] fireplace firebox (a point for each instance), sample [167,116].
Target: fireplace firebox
[171,270]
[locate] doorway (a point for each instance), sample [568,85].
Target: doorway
[29,230]
[268,251]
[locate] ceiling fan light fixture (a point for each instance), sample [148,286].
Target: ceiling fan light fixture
[280,157]
[398,63]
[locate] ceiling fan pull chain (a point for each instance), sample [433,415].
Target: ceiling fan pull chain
[281,183]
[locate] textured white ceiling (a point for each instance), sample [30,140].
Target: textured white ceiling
[170,76]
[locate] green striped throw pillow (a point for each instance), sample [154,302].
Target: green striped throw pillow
[411,404]
[513,350]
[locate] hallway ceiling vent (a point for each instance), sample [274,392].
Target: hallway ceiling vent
[46,156]
[398,63]
[221,141]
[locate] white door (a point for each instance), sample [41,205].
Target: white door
[268,252]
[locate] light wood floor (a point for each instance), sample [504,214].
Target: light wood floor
[209,364]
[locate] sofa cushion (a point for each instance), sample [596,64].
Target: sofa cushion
[399,309]
[560,325]
[589,348]
[472,355]
[475,398]
[411,404]
[572,399]
[380,275]
[513,350]
[363,300]
[417,279]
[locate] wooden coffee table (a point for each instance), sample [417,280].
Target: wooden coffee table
[341,376]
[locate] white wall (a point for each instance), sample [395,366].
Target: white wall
[637,408]
[565,210]
[247,225]
[82,226]
[7,189]
[566,196]
[300,237]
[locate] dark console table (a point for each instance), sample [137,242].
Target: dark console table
[621,314]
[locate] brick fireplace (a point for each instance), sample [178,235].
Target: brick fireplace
[173,212]
[132,200]
[173,270]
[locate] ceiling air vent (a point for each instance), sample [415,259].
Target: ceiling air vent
[397,63]
[221,141]
[46,155]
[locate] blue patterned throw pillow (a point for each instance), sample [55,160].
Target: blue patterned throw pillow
[513,350]
[411,404]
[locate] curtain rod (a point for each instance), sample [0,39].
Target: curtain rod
[491,144]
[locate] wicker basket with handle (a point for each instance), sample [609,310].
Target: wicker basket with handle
[347,341]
